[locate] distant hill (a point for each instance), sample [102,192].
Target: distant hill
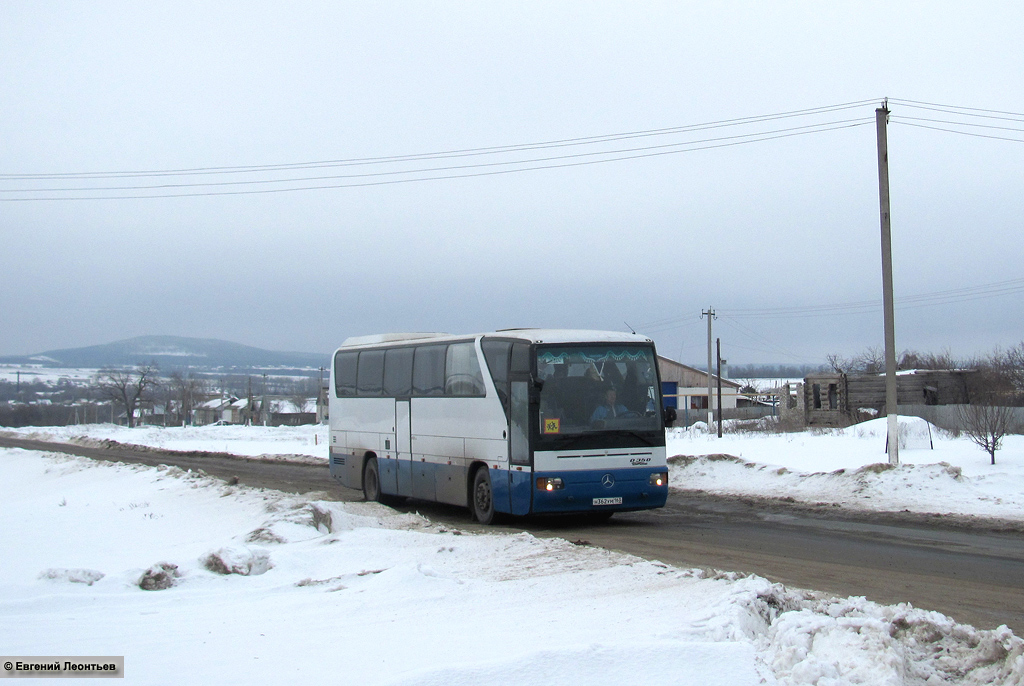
[174,352]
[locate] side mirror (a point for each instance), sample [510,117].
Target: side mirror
[670,416]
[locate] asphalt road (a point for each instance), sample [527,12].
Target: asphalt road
[972,571]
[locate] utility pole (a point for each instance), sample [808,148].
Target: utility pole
[710,314]
[718,359]
[892,442]
[263,405]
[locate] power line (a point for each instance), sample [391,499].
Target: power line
[281,183]
[946,297]
[810,128]
[931,299]
[731,321]
[956,109]
[956,123]
[577,141]
[962,133]
[639,153]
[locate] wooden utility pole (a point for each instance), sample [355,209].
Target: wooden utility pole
[892,442]
[718,373]
[710,314]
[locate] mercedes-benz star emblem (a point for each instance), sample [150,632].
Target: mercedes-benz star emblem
[607,480]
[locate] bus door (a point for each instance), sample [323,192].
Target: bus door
[520,473]
[403,447]
[520,465]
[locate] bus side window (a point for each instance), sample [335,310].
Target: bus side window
[462,376]
[428,370]
[345,374]
[497,353]
[398,373]
[371,372]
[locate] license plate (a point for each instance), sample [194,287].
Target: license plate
[608,501]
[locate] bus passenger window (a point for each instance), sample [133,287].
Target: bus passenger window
[463,376]
[428,370]
[371,372]
[398,372]
[345,373]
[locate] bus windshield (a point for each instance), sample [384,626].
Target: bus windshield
[594,388]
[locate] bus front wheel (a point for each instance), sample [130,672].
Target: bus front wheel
[371,481]
[483,498]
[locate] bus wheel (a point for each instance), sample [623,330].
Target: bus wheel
[371,481]
[483,499]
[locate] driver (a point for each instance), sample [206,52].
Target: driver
[610,408]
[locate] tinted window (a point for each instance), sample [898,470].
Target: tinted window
[371,372]
[345,373]
[428,370]
[398,372]
[496,354]
[520,358]
[462,371]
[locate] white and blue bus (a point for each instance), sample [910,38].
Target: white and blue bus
[519,421]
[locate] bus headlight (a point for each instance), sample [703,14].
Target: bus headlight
[659,479]
[549,483]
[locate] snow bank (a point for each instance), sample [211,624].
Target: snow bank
[849,467]
[359,593]
[294,442]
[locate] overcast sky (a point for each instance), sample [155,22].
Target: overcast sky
[773,220]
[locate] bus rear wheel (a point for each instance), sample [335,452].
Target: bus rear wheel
[371,481]
[482,496]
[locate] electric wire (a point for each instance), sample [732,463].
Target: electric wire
[955,109]
[810,128]
[730,321]
[930,299]
[962,133]
[956,123]
[618,156]
[577,141]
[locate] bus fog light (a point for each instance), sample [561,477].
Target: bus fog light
[659,479]
[549,483]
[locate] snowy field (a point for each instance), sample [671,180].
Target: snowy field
[48,375]
[938,473]
[194,581]
[846,467]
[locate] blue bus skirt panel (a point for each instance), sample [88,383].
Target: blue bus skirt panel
[500,490]
[580,488]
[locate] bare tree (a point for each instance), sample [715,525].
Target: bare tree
[128,387]
[986,424]
[871,361]
[186,390]
[838,363]
[911,359]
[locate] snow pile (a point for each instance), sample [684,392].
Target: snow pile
[309,591]
[849,468]
[275,442]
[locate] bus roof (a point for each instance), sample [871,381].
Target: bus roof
[532,335]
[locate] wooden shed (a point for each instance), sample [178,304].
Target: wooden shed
[836,399]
